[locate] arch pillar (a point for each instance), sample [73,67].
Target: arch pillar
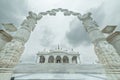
[78,59]
[46,59]
[61,58]
[105,51]
[10,54]
[70,59]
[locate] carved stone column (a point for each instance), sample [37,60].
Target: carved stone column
[10,54]
[70,59]
[46,58]
[105,51]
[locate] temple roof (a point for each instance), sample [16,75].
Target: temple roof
[59,51]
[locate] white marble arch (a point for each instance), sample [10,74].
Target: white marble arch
[105,52]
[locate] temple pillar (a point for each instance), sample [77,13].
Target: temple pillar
[105,51]
[78,59]
[11,53]
[46,58]
[5,73]
[70,59]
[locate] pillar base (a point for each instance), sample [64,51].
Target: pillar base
[5,73]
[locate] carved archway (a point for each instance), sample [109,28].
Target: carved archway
[53,12]
[16,47]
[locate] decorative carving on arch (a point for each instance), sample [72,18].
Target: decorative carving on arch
[53,12]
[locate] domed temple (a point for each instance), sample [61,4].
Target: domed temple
[58,56]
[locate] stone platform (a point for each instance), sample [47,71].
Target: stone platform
[59,72]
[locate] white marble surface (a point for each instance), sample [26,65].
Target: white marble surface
[109,54]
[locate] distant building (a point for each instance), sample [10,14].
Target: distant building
[58,64]
[58,56]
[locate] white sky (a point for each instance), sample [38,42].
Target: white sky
[77,5]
